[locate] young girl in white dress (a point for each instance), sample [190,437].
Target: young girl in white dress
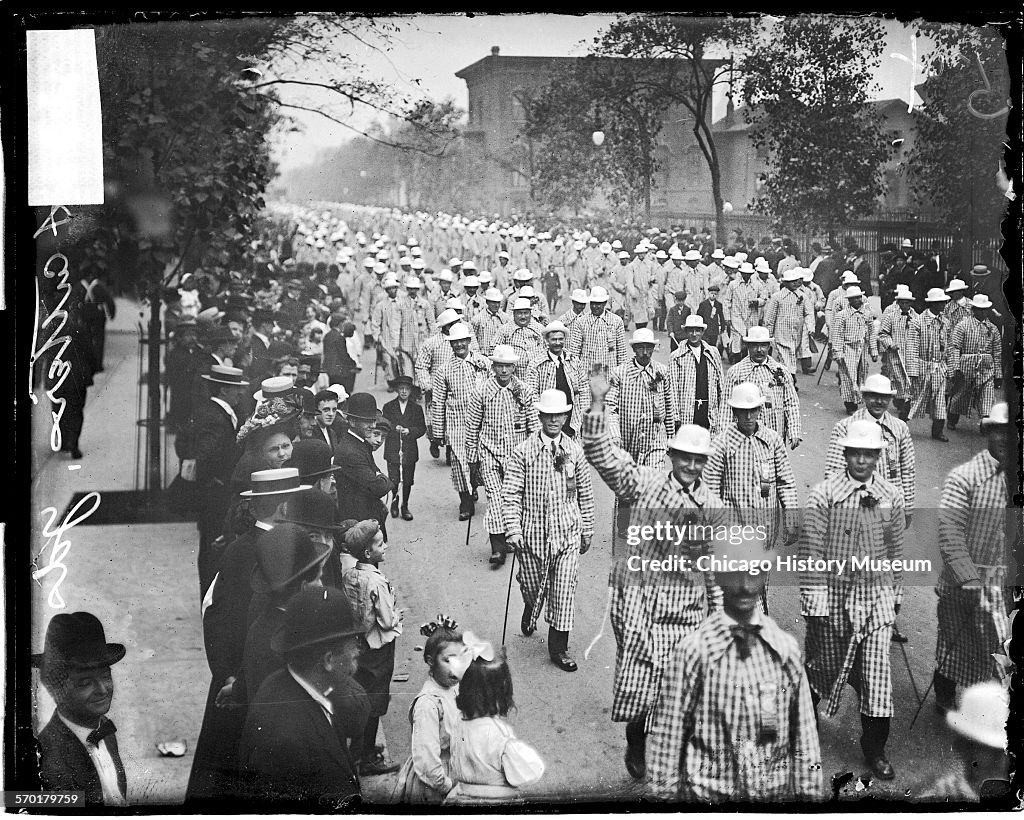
[489,764]
[426,775]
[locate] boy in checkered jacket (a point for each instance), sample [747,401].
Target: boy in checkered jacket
[734,721]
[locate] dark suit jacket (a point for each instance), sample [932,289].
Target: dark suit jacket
[65,764]
[413,419]
[336,357]
[260,368]
[216,453]
[361,484]
[227,620]
[318,434]
[289,750]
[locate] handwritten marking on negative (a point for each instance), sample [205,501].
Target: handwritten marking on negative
[59,545]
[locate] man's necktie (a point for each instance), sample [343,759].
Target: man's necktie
[105,728]
[742,633]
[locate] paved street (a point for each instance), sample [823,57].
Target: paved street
[141,582]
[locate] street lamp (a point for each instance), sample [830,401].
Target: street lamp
[598,135]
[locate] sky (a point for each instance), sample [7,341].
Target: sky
[431,48]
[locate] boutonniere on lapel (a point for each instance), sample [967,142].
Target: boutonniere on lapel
[655,380]
[560,459]
[868,501]
[780,376]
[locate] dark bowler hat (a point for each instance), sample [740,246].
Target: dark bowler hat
[281,350]
[262,315]
[219,336]
[312,458]
[361,406]
[77,640]
[223,374]
[313,509]
[315,616]
[284,554]
[308,409]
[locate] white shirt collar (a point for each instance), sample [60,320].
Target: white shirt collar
[544,437]
[79,731]
[261,337]
[319,697]
[103,761]
[696,352]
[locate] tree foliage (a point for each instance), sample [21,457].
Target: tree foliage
[961,127]
[806,86]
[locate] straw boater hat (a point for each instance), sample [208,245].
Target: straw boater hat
[877,383]
[691,438]
[555,325]
[643,336]
[746,396]
[854,292]
[695,320]
[598,294]
[553,401]
[459,332]
[522,275]
[522,303]
[275,482]
[849,278]
[863,435]
[957,285]
[903,292]
[493,295]
[757,335]
[504,354]
[792,275]
[936,295]
[981,301]
[222,374]
[579,296]
[278,386]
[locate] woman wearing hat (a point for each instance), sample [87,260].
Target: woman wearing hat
[78,749]
[974,358]
[973,541]
[926,362]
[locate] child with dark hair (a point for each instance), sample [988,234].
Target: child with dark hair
[373,600]
[434,716]
[489,764]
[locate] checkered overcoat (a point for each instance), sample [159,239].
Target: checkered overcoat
[835,302]
[851,615]
[754,478]
[417,324]
[642,415]
[528,342]
[651,611]
[675,279]
[781,410]
[926,365]
[956,310]
[896,463]
[486,326]
[973,621]
[975,360]
[712,737]
[594,339]
[737,305]
[892,345]
[788,316]
[453,386]
[569,319]
[549,500]
[541,377]
[682,378]
[854,341]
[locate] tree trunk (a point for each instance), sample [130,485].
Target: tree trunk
[154,470]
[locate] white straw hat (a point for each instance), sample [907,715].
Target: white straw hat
[553,401]
[863,435]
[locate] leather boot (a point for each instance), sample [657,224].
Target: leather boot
[406,515]
[464,501]
[558,650]
[394,505]
[945,693]
[952,420]
[498,549]
[805,364]
[874,734]
[937,433]
[636,743]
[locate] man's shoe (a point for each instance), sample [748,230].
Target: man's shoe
[406,515]
[394,508]
[897,636]
[524,623]
[564,662]
[76,453]
[435,451]
[464,502]
[881,767]
[635,764]
[497,560]
[375,766]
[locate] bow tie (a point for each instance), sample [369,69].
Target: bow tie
[742,633]
[105,728]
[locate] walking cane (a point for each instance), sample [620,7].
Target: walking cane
[913,681]
[826,349]
[927,691]
[508,597]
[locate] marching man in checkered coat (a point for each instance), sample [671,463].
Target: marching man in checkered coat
[651,611]
[854,338]
[972,615]
[734,721]
[556,369]
[453,386]
[896,461]
[434,353]
[751,472]
[926,362]
[548,502]
[893,334]
[850,615]
[788,315]
[742,304]
[975,364]
[781,409]
[489,321]
[695,378]
[598,337]
[524,333]
[500,417]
